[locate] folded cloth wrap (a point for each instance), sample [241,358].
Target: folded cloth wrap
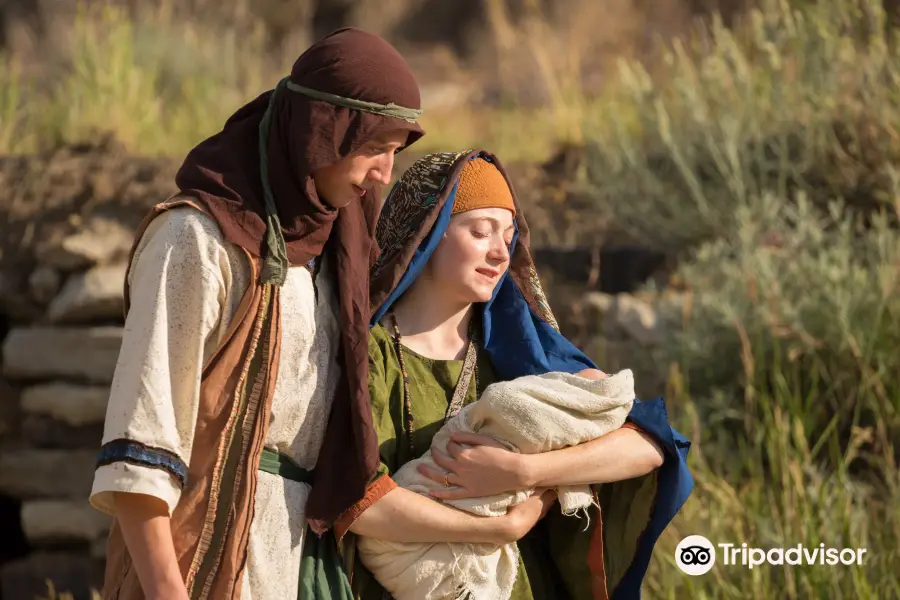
[531,414]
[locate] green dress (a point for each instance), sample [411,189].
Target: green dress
[431,386]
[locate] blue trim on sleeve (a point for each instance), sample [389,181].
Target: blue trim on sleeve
[130,451]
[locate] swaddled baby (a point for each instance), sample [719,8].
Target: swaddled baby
[532,414]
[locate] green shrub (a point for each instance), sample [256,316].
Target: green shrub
[798,102]
[765,161]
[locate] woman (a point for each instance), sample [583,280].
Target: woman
[239,370]
[456,306]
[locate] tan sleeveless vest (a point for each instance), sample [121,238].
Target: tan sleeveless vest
[211,523]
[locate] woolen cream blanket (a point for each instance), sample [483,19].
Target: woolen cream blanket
[532,414]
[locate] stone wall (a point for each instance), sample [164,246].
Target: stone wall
[56,372]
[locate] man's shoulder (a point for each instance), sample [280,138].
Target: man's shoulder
[183,241]
[184,225]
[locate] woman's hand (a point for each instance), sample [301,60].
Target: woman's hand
[476,466]
[519,519]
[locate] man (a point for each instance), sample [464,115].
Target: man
[244,360]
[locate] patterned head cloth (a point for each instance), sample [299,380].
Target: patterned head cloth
[413,220]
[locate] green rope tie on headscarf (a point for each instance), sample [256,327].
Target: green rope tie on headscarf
[385,110]
[276,264]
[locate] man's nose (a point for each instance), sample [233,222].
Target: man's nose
[382,172]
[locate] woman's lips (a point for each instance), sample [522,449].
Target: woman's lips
[489,273]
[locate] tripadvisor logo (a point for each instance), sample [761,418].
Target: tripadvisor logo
[696,555]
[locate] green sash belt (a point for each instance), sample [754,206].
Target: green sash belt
[322,575]
[281,465]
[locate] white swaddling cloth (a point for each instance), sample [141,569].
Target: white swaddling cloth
[532,414]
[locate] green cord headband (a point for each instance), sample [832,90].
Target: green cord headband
[276,263]
[387,110]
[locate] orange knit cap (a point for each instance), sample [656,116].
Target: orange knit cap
[481,185]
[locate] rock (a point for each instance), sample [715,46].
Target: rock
[580,265]
[53,521]
[44,282]
[26,578]
[624,269]
[446,95]
[674,308]
[9,411]
[598,301]
[74,405]
[92,295]
[582,317]
[88,353]
[100,241]
[47,473]
[15,301]
[631,318]
[44,432]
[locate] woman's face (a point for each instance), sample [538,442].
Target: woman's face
[474,254]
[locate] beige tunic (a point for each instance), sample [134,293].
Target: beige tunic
[186,283]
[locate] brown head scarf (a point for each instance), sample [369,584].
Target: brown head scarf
[345,90]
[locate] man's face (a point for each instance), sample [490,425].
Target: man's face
[343,182]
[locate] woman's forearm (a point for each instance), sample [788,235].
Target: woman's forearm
[148,535]
[622,454]
[405,516]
